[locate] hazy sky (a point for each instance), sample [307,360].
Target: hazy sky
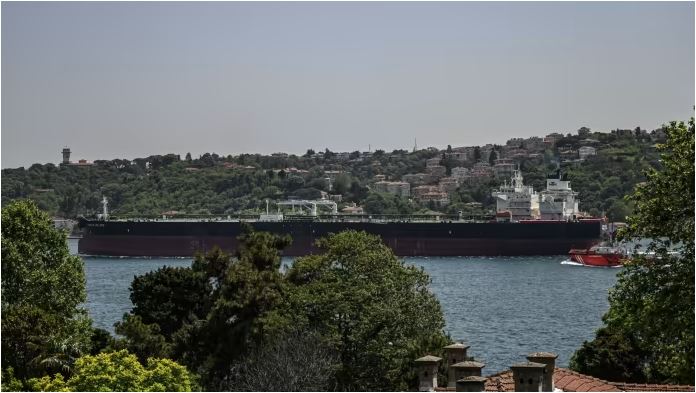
[126,80]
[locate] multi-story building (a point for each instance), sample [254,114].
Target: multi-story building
[482,170]
[435,161]
[436,172]
[534,144]
[439,198]
[419,191]
[504,167]
[448,184]
[551,139]
[460,173]
[416,179]
[399,188]
[464,155]
[586,151]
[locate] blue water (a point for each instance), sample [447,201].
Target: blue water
[503,307]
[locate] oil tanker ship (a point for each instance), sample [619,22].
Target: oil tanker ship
[525,224]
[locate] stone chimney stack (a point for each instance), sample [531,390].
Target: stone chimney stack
[529,376]
[427,372]
[549,360]
[471,384]
[454,353]
[464,369]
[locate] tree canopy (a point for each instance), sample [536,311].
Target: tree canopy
[375,310]
[44,327]
[651,314]
[354,312]
[119,372]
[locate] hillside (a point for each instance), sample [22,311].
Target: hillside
[449,180]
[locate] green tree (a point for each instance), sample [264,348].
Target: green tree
[375,310]
[212,312]
[492,157]
[612,355]
[120,372]
[243,309]
[618,211]
[169,296]
[143,340]
[43,286]
[653,300]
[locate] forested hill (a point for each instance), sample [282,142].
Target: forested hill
[213,184]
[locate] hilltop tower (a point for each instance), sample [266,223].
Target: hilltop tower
[66,155]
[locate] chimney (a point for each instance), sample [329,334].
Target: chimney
[471,384]
[528,376]
[549,360]
[464,369]
[427,373]
[454,353]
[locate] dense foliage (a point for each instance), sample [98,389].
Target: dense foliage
[352,317]
[48,342]
[649,329]
[213,184]
[119,372]
[44,327]
[208,315]
[375,310]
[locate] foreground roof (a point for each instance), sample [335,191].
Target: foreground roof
[571,381]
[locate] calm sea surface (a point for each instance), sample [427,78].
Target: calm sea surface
[503,307]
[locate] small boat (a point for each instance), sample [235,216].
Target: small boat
[598,256]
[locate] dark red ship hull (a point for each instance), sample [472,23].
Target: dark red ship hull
[183,239]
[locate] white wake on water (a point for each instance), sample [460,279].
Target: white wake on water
[572,263]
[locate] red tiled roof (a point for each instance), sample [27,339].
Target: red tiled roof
[563,379]
[571,381]
[649,387]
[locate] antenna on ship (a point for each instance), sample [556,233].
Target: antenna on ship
[105,208]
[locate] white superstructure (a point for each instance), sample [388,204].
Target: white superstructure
[558,201]
[521,201]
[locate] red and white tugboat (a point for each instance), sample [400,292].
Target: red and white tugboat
[604,256]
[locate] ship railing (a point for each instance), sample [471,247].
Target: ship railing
[187,217]
[321,218]
[402,218]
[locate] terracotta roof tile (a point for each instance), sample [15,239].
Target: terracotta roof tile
[596,389]
[572,386]
[571,381]
[500,382]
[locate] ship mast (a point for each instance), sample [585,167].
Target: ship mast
[105,208]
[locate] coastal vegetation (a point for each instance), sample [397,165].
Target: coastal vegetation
[648,332]
[48,342]
[216,184]
[350,318]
